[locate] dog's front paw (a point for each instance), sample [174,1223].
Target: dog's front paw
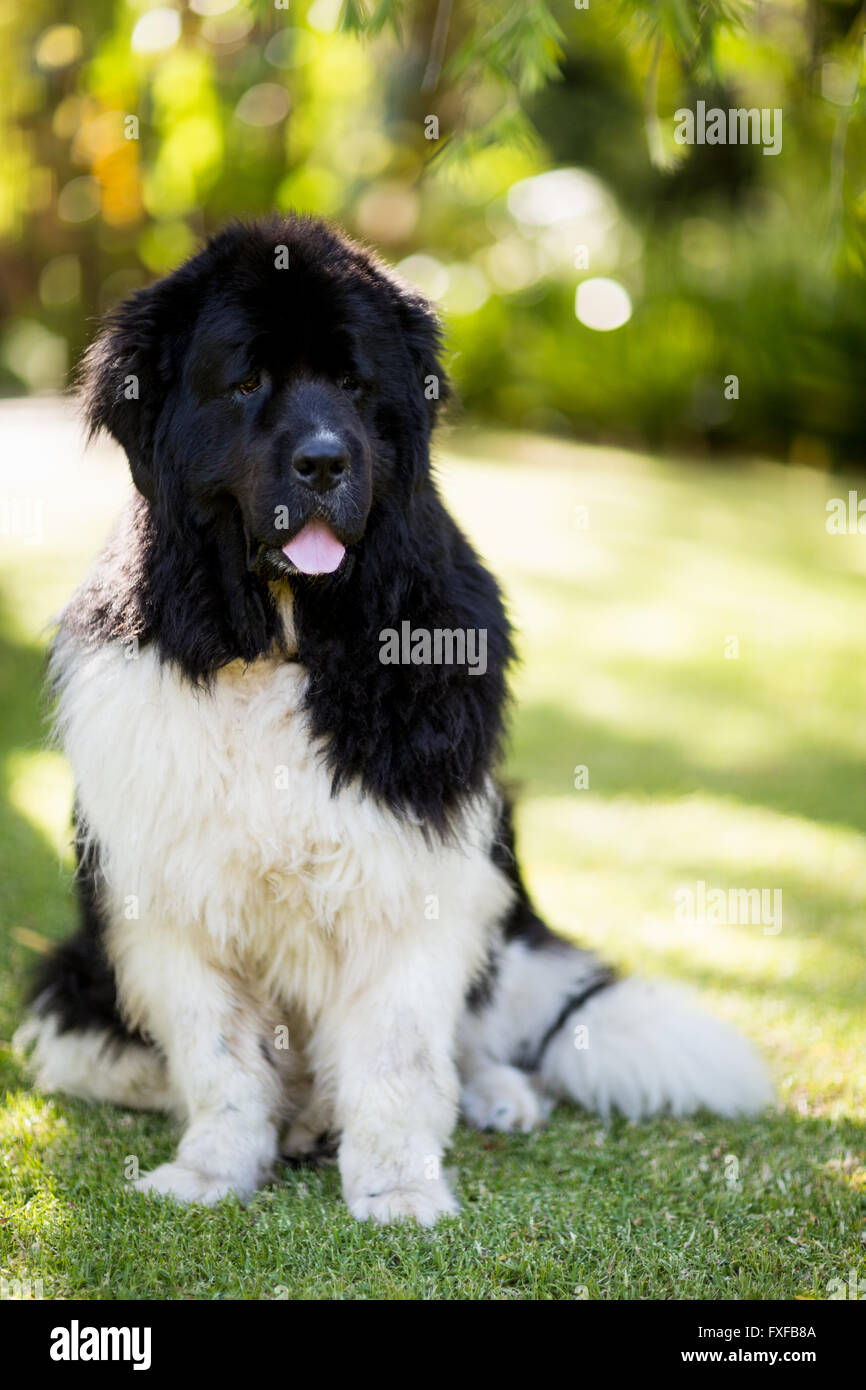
[424,1203]
[186,1184]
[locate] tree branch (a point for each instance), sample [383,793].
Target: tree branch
[437,47]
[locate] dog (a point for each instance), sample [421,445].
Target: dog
[303,924]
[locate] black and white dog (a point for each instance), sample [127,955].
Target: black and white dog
[302,917]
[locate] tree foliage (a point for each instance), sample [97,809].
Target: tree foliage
[131,128]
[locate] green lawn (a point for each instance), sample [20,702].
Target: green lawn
[745,771]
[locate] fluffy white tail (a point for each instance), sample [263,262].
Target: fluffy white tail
[641,1047]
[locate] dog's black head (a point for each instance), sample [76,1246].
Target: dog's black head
[279,381]
[275,397]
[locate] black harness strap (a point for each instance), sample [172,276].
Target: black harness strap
[574,1001]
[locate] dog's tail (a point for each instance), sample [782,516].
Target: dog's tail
[76,1037]
[93,1062]
[584,1034]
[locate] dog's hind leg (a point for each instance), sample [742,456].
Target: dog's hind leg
[76,1036]
[497,1096]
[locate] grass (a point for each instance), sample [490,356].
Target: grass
[741,771]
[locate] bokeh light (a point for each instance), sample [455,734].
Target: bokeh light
[155,31]
[263,105]
[602,304]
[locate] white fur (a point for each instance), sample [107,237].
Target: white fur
[245,898]
[503,1097]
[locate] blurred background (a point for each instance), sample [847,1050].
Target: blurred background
[597,277]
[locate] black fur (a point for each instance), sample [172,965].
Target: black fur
[521,922]
[75,984]
[189,566]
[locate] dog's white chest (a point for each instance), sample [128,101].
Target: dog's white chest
[215,809]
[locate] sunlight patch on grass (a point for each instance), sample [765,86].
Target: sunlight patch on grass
[634,615]
[30,1128]
[701,831]
[39,787]
[848,1171]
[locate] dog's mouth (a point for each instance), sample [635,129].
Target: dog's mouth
[314,550]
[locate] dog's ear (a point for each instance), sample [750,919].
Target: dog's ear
[123,381]
[427,387]
[422,331]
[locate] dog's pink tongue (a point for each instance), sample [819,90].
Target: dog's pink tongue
[315,549]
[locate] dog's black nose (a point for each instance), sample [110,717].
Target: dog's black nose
[320,462]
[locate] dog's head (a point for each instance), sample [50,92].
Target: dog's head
[278,384]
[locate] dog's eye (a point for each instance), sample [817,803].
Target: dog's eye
[351,384]
[251,384]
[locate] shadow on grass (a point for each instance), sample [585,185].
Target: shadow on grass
[812,782]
